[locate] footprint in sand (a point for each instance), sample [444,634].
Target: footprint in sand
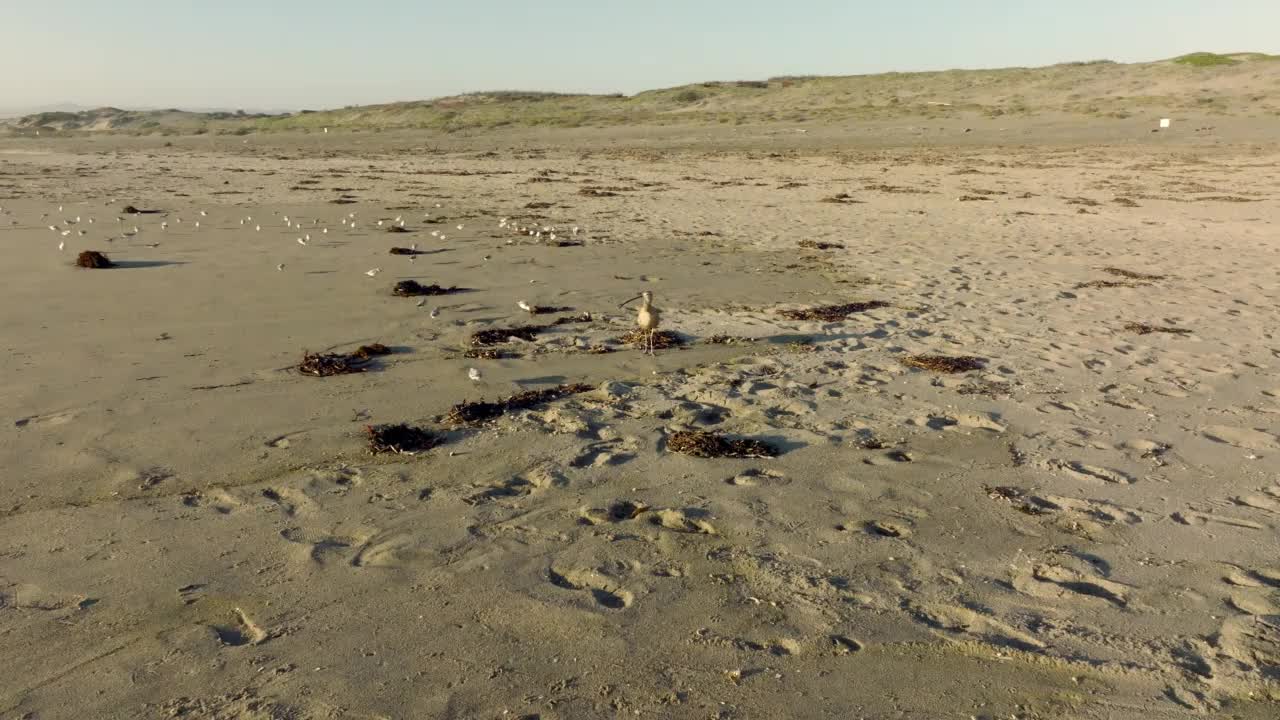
[1240,437]
[682,521]
[962,624]
[220,501]
[50,419]
[1091,473]
[1065,580]
[604,593]
[322,549]
[758,476]
[239,630]
[534,481]
[1190,517]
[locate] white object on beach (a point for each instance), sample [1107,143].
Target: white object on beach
[1165,122]
[474,374]
[373,272]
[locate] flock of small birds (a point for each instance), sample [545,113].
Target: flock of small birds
[647,319]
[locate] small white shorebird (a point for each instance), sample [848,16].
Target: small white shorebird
[525,307]
[373,272]
[474,374]
[647,319]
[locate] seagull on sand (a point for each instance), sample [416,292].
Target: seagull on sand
[525,307]
[435,312]
[62,244]
[474,374]
[373,272]
[280,267]
[301,241]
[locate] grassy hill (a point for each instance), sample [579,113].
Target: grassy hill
[1245,84]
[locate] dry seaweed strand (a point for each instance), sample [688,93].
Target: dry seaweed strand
[329,364]
[402,439]
[474,413]
[405,251]
[944,363]
[699,443]
[398,229]
[818,245]
[93,259]
[662,339]
[498,336]
[583,318]
[488,354]
[1145,329]
[1130,275]
[833,313]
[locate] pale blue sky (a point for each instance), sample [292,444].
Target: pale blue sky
[288,54]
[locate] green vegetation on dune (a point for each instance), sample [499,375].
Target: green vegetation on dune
[1205,59]
[1242,83]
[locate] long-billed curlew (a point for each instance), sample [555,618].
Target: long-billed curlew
[647,319]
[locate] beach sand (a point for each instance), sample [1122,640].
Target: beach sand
[1084,526]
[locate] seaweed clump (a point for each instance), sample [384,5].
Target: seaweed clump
[405,251]
[413,288]
[662,339]
[1131,275]
[497,336]
[699,443]
[944,363]
[819,245]
[329,364]
[473,413]
[93,259]
[833,313]
[1145,329]
[401,439]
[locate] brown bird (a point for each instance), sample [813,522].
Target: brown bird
[647,319]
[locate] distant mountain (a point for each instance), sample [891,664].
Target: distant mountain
[1203,83]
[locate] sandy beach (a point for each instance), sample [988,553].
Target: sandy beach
[1081,522]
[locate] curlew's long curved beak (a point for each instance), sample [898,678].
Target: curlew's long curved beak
[630,301]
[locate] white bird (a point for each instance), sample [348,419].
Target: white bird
[434,233]
[280,267]
[53,228]
[459,227]
[65,233]
[575,229]
[257,228]
[197,224]
[422,302]
[62,244]
[373,272]
[525,307]
[204,214]
[307,237]
[444,237]
[301,241]
[325,231]
[90,221]
[474,374]
[379,223]
[435,312]
[164,226]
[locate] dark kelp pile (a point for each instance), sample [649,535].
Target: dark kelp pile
[405,251]
[703,444]
[131,210]
[548,310]
[833,313]
[93,259]
[398,229]
[412,288]
[725,340]
[1131,275]
[583,318]
[402,439]
[1145,329]
[818,245]
[498,336]
[368,352]
[663,339]
[944,363]
[328,364]
[474,413]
